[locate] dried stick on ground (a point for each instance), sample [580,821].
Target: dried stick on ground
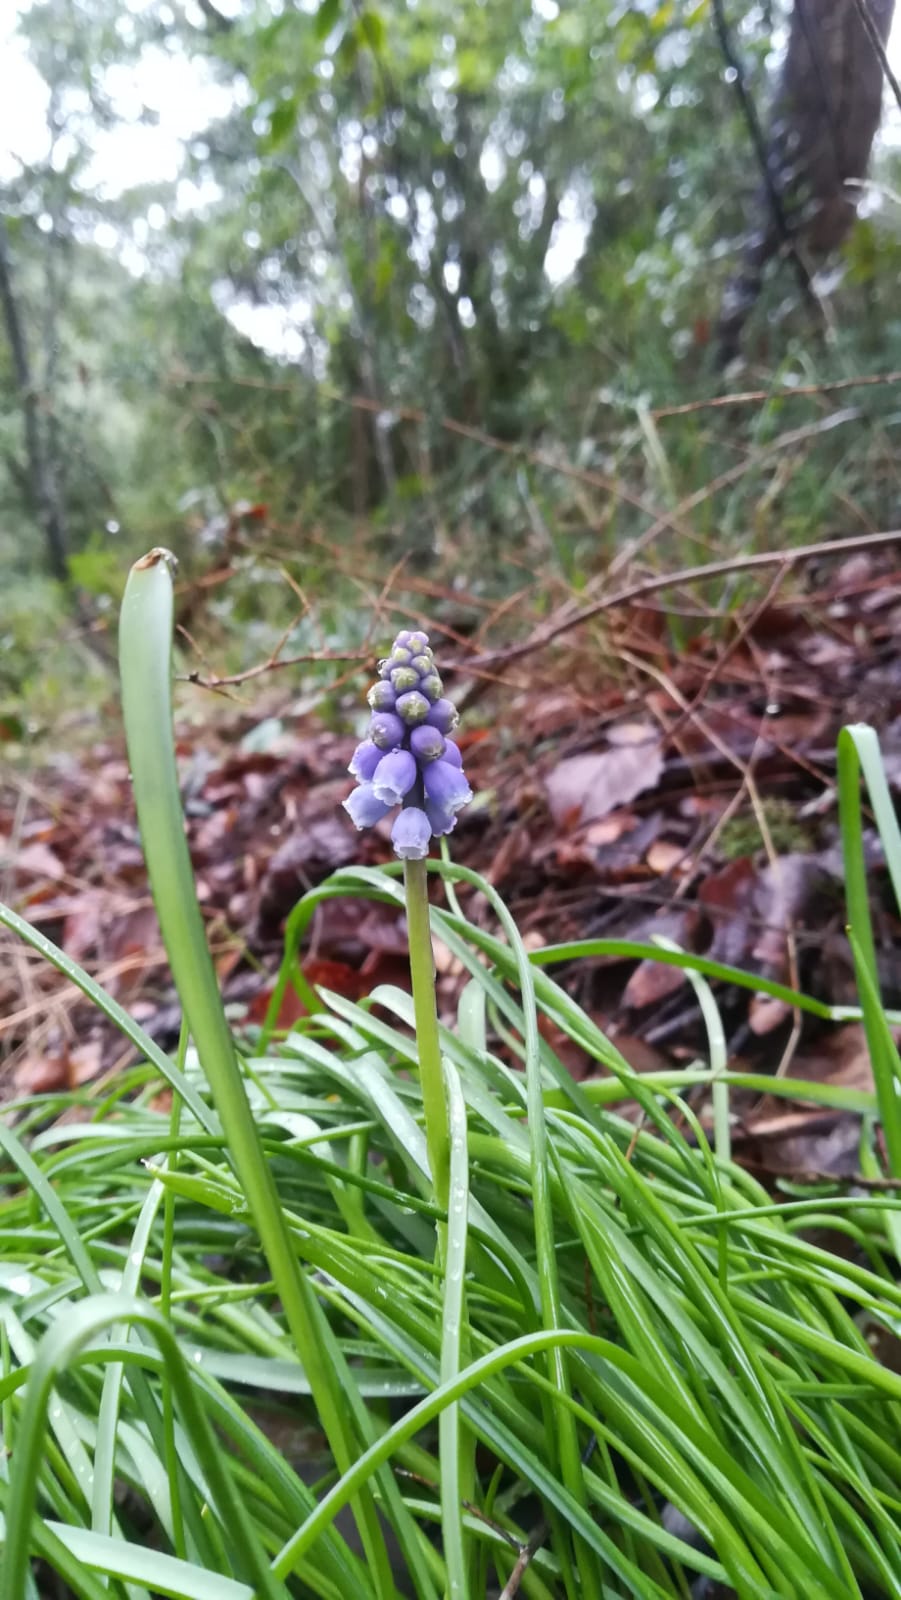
[490,661]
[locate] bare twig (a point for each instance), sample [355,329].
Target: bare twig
[526,1556]
[552,631]
[751,397]
[710,677]
[274,662]
[70,995]
[731,475]
[468,1505]
[872,33]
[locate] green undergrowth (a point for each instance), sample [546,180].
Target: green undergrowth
[233,1364]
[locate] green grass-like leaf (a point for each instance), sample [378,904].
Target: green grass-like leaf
[224,1323]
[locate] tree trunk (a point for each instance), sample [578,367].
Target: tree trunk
[41,477]
[822,125]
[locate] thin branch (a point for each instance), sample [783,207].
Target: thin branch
[746,626]
[272,664]
[747,397]
[524,1560]
[671,580]
[741,397]
[872,33]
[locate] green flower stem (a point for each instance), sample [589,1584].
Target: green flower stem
[422,973]
[145,644]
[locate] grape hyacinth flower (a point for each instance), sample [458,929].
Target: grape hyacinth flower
[408,758]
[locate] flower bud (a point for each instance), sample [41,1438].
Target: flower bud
[431,686]
[386,730]
[427,744]
[403,679]
[443,716]
[424,664]
[452,753]
[381,696]
[413,708]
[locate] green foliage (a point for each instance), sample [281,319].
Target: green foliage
[510,217]
[741,835]
[621,1320]
[714,1357]
[39,690]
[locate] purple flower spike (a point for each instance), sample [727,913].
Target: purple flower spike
[365,759]
[386,730]
[413,707]
[363,808]
[407,760]
[441,820]
[446,785]
[411,834]
[394,777]
[443,716]
[427,744]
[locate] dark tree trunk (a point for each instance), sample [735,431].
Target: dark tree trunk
[41,475]
[822,125]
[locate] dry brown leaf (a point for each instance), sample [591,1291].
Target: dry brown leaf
[641,1056]
[729,896]
[586,788]
[38,861]
[610,829]
[91,911]
[766,1012]
[665,857]
[631,733]
[42,1074]
[788,891]
[653,980]
[841,1057]
[576,1060]
[650,983]
[85,1062]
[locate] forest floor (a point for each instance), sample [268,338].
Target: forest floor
[665,774]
